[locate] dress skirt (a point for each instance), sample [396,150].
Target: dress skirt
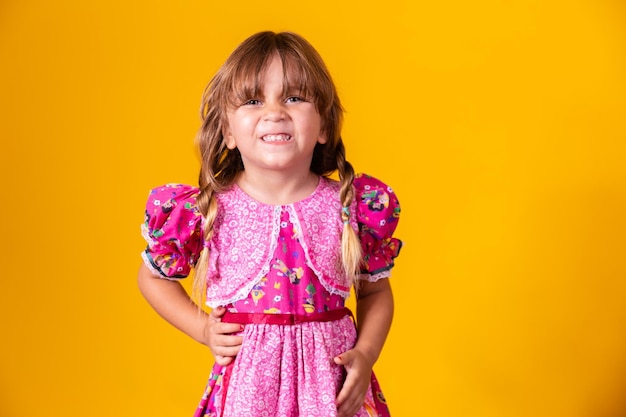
[287,371]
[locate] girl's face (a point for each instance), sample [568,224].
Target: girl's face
[276,131]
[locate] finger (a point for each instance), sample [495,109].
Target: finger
[348,409]
[226,328]
[227,340]
[217,313]
[226,351]
[223,360]
[343,397]
[350,397]
[226,345]
[344,359]
[350,404]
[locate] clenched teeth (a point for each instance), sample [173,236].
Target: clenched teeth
[276,138]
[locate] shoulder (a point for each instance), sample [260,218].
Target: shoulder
[172,206]
[378,208]
[364,183]
[370,194]
[173,229]
[378,212]
[373,195]
[171,194]
[169,199]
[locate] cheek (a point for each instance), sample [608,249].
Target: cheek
[237,126]
[241,124]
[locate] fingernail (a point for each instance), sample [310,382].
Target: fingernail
[241,327]
[339,357]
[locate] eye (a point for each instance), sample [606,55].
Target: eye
[294,99]
[252,102]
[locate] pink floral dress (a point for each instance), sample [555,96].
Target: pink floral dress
[291,253]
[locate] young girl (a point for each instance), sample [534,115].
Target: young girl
[276,244]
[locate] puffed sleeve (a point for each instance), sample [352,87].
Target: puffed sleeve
[173,230]
[378,211]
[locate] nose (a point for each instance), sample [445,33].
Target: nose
[273,111]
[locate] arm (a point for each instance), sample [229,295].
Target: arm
[374,316]
[170,300]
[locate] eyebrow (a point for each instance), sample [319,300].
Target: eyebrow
[290,90]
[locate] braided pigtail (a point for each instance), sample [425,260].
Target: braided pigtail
[351,252]
[207,203]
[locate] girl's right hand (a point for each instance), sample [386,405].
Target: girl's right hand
[220,339]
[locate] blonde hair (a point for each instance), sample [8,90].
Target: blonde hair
[240,78]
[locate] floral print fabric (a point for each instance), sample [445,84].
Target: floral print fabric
[245,233]
[281,370]
[294,362]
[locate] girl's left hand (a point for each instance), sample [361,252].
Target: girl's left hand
[358,375]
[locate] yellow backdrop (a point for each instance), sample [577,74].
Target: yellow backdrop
[500,124]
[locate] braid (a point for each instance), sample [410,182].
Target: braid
[218,171]
[351,253]
[207,204]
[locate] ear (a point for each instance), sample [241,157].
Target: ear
[229,139]
[322,137]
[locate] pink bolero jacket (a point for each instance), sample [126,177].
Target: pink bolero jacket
[246,235]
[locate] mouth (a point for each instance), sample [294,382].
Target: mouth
[276,137]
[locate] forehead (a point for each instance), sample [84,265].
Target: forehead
[252,76]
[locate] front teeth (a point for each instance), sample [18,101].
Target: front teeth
[276,138]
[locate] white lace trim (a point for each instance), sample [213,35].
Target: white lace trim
[296,222]
[148,263]
[244,242]
[375,277]
[145,233]
[243,292]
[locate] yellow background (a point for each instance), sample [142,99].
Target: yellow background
[500,124]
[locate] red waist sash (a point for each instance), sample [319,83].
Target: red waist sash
[285,319]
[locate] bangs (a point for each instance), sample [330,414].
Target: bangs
[298,78]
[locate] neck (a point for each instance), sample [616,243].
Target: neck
[278,188]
